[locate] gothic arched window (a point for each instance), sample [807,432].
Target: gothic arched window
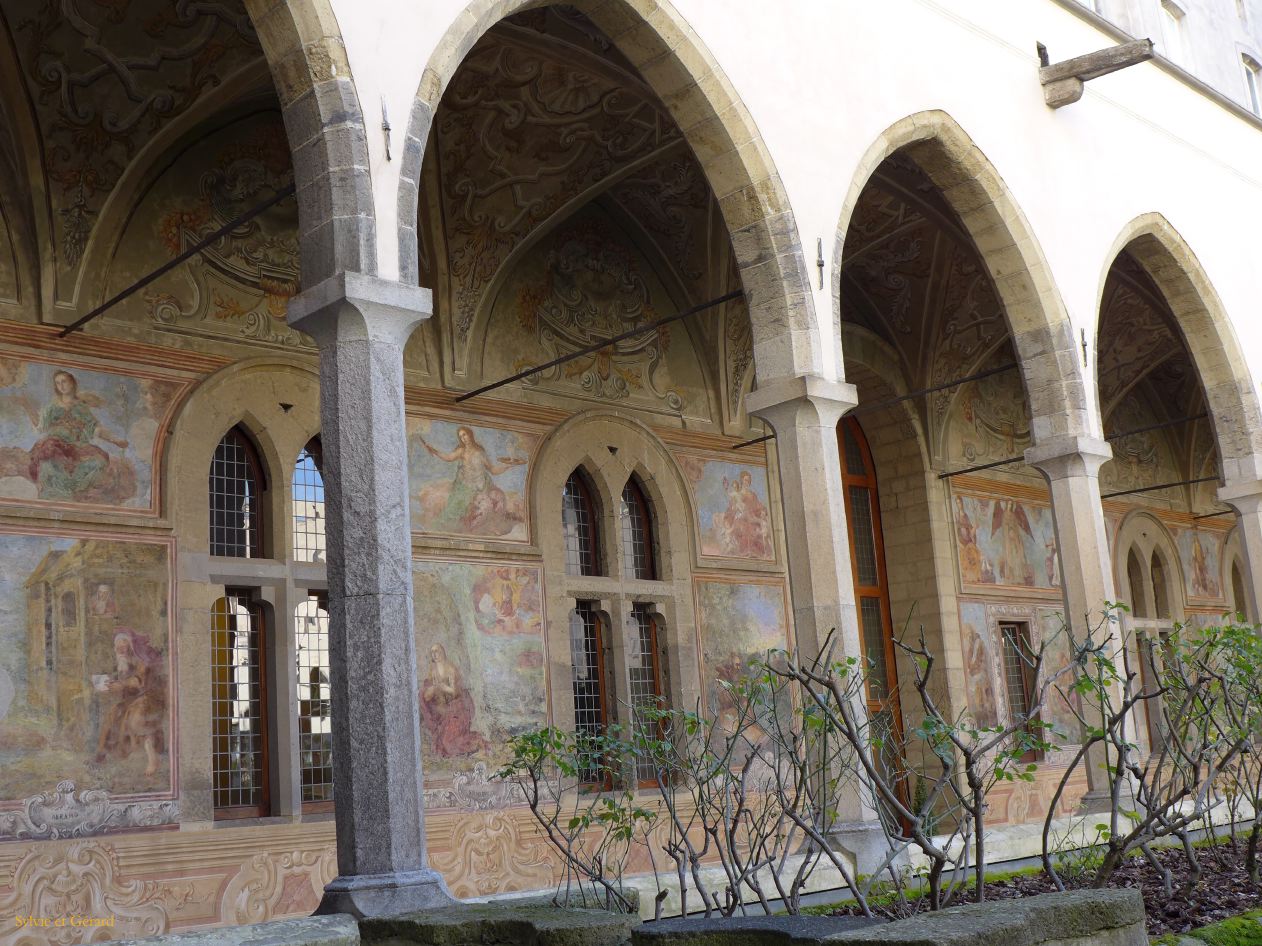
[308,498]
[236,484]
[578,513]
[637,533]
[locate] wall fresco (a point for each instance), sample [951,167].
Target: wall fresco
[981,663]
[480,666]
[739,623]
[1005,542]
[1201,554]
[86,662]
[468,480]
[732,507]
[1063,705]
[70,434]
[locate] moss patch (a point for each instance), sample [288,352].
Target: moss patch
[1243,930]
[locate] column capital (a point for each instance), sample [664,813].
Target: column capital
[1061,457]
[355,306]
[1243,495]
[806,398]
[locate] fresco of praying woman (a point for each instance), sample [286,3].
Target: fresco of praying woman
[65,463]
[474,503]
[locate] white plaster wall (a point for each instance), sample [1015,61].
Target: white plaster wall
[824,78]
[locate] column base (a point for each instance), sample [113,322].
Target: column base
[865,843]
[1098,801]
[370,895]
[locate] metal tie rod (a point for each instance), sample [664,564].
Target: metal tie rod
[192,251]
[1149,489]
[1123,434]
[889,402]
[604,343]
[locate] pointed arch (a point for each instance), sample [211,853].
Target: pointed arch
[675,64]
[1207,333]
[303,46]
[1037,319]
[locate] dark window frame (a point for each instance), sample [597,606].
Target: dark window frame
[256,538]
[639,509]
[263,807]
[586,526]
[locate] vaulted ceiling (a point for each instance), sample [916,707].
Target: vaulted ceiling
[544,125]
[92,92]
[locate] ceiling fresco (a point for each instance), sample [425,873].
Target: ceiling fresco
[1147,378]
[543,122]
[104,78]
[911,275]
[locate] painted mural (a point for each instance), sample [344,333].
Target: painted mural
[981,663]
[732,507]
[70,434]
[468,480]
[1201,554]
[585,282]
[739,622]
[241,286]
[480,657]
[85,666]
[1062,704]
[1006,542]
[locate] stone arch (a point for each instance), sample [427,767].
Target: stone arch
[303,46]
[1037,319]
[251,393]
[1142,531]
[1208,335]
[609,447]
[674,62]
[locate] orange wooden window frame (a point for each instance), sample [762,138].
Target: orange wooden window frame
[879,591]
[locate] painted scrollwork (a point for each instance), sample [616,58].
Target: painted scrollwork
[243,283]
[474,790]
[83,880]
[592,289]
[67,812]
[106,76]
[520,134]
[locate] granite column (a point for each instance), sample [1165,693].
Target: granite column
[361,324]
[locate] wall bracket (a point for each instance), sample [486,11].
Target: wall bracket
[1062,81]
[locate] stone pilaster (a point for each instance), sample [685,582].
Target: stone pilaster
[361,324]
[1245,497]
[1071,466]
[804,413]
